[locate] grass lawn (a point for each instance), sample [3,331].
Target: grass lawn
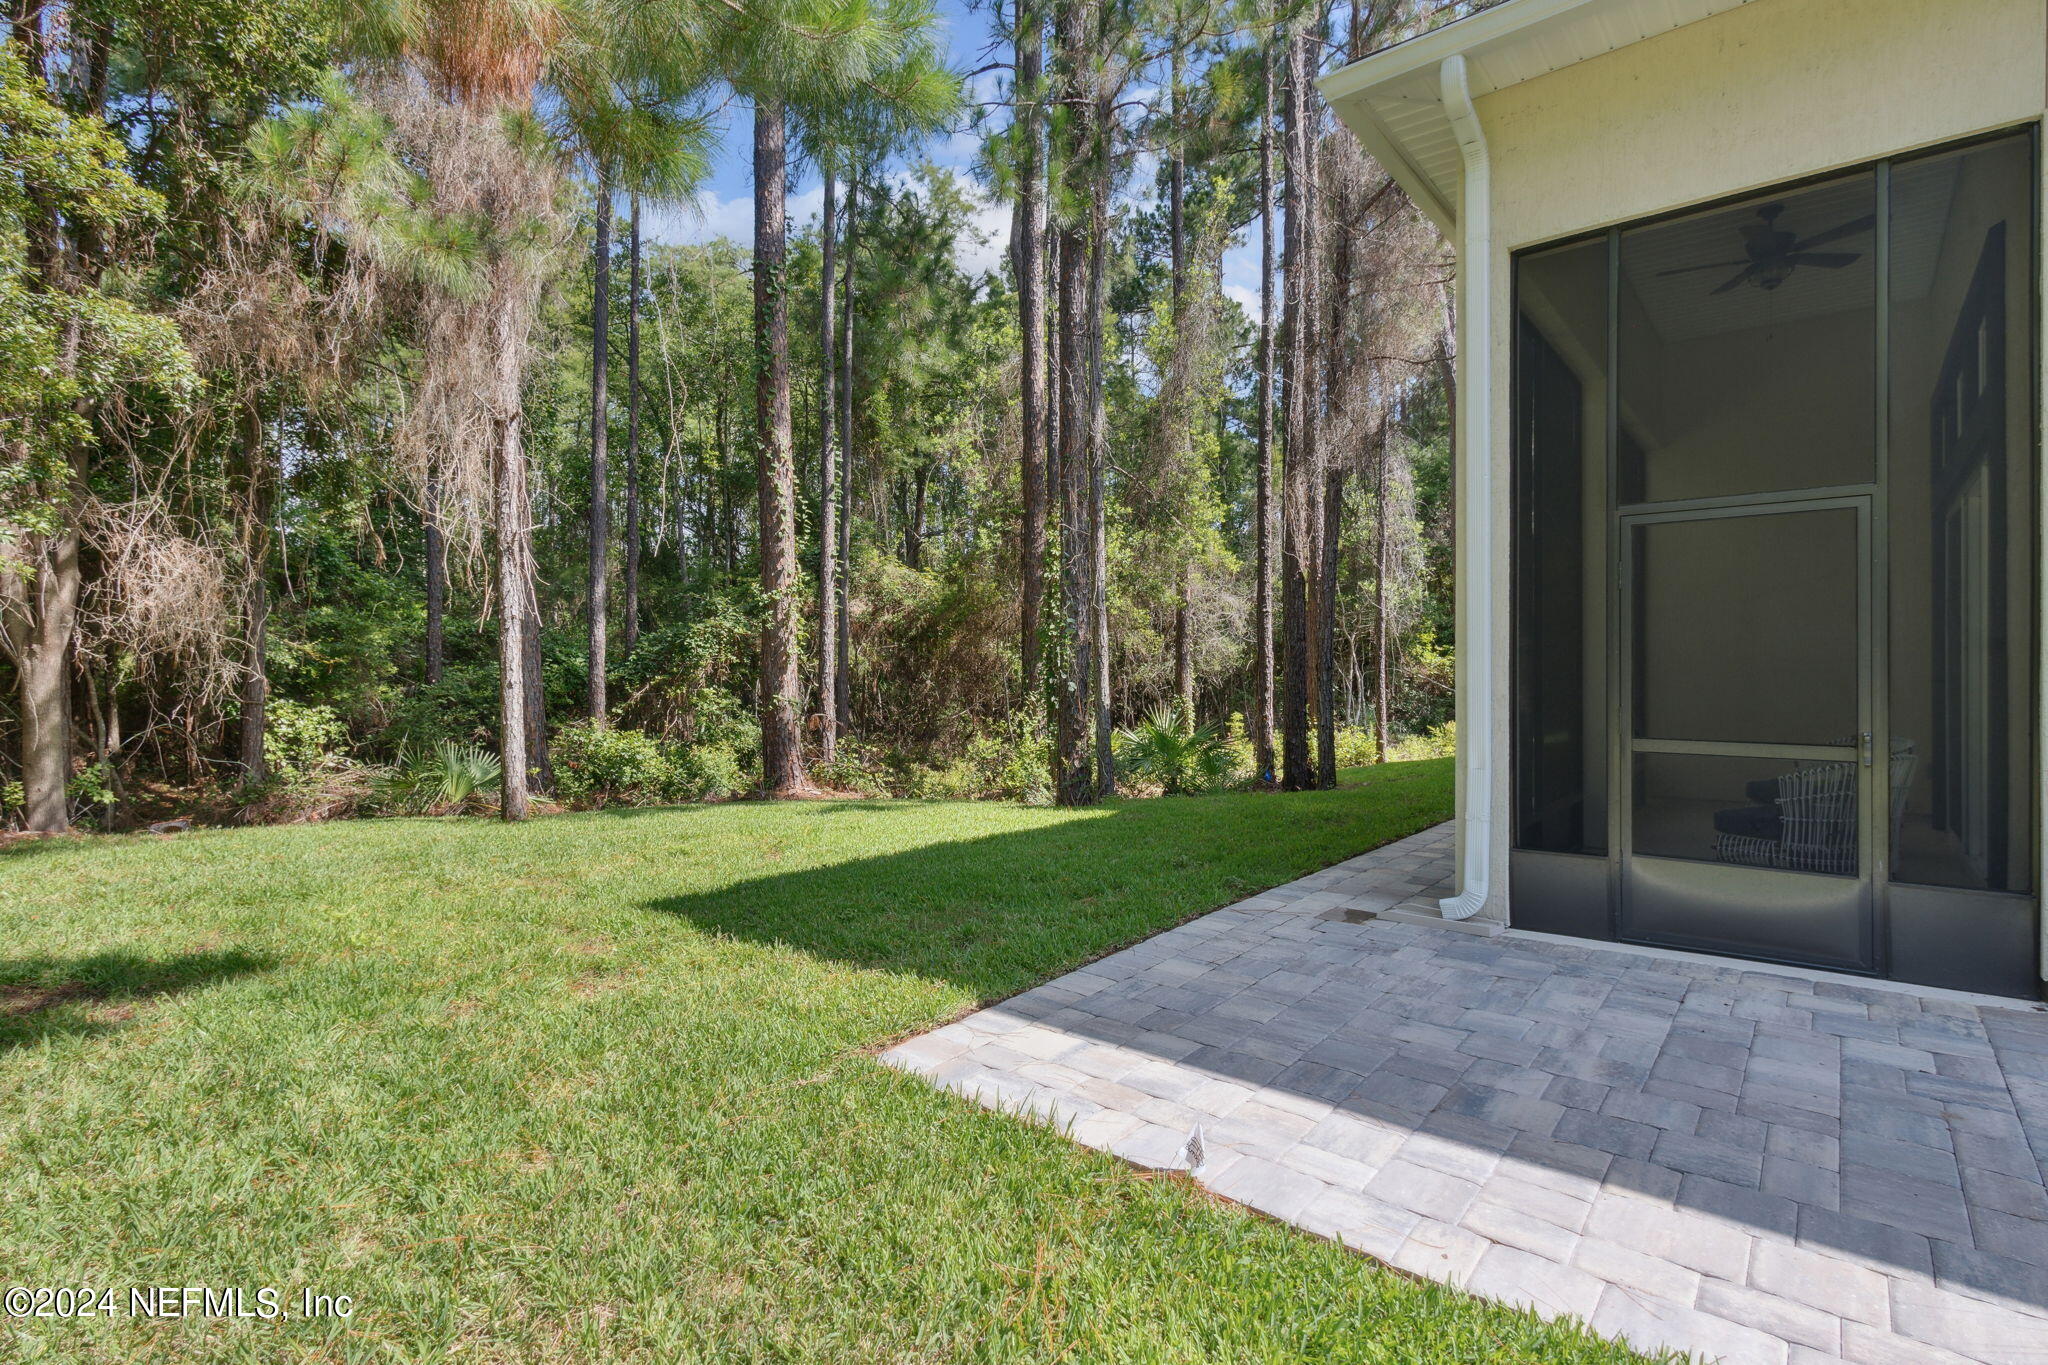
[599,1088]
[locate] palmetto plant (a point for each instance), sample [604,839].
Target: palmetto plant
[1181,758]
[445,780]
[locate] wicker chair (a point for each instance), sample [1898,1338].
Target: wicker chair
[1815,817]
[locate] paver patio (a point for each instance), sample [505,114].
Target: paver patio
[1747,1164]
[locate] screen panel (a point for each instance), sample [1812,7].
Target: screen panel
[1560,583]
[1746,628]
[1786,814]
[1748,346]
[1961,519]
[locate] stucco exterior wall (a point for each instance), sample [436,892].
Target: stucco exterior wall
[1775,90]
[1771,91]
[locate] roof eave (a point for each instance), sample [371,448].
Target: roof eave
[1422,190]
[1366,92]
[1429,49]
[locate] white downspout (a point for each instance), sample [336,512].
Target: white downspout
[2041,635]
[1475,499]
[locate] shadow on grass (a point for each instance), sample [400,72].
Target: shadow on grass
[16,848]
[46,997]
[997,914]
[828,805]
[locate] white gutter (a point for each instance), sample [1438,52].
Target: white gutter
[2041,636]
[1475,498]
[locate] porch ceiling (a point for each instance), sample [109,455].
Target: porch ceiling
[1392,100]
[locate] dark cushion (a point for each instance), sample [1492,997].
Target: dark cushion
[1751,822]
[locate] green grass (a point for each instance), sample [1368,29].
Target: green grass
[601,1088]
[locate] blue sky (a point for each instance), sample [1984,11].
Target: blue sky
[724,208]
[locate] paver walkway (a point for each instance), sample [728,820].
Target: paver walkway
[1685,1153]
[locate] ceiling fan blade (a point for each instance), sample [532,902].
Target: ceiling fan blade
[1741,278]
[1826,260]
[1711,265]
[1838,232]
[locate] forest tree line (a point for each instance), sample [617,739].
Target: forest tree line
[365,450]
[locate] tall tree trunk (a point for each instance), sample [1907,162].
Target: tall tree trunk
[40,612]
[1381,705]
[828,480]
[1336,370]
[1326,630]
[1184,646]
[1072,776]
[1315,280]
[1183,638]
[437,582]
[1176,189]
[1029,267]
[1055,323]
[630,584]
[39,609]
[1297,773]
[842,687]
[256,512]
[1262,594]
[1098,448]
[600,432]
[781,702]
[514,590]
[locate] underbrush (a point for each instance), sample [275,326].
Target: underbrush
[317,776]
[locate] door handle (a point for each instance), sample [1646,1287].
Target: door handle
[1869,750]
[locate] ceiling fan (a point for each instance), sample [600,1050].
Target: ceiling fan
[1771,254]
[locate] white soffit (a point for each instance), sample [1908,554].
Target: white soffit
[1393,101]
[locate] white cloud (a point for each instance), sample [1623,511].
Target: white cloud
[985,239]
[982,245]
[1142,189]
[708,217]
[1248,299]
[807,205]
[704,218]
[1241,276]
[982,248]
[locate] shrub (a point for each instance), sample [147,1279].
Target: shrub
[720,721]
[1440,742]
[707,772]
[1010,761]
[937,782]
[463,706]
[1355,747]
[335,788]
[599,765]
[1237,744]
[297,736]
[91,790]
[685,681]
[853,769]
